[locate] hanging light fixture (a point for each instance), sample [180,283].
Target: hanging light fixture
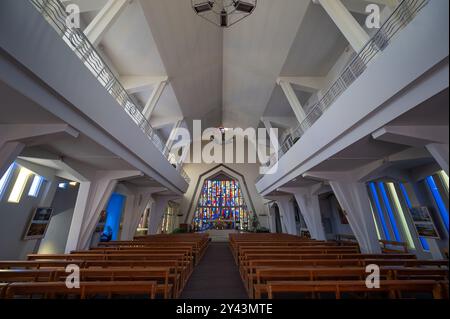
[224,13]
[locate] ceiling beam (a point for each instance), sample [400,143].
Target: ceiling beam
[154,99]
[104,20]
[305,83]
[412,135]
[136,84]
[293,100]
[347,24]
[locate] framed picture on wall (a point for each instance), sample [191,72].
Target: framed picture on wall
[39,223]
[424,223]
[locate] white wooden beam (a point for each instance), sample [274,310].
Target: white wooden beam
[413,135]
[154,99]
[305,83]
[293,100]
[136,84]
[347,24]
[104,20]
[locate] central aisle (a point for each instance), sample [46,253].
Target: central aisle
[216,277]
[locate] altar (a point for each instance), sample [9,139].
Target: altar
[221,235]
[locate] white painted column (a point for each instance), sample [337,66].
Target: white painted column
[293,100]
[157,213]
[93,197]
[440,154]
[135,206]
[152,208]
[310,209]
[8,154]
[78,216]
[104,20]
[288,216]
[347,24]
[354,199]
[308,202]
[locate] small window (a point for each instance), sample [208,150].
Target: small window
[19,186]
[6,179]
[63,185]
[36,186]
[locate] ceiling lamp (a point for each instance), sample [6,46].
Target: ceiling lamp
[224,13]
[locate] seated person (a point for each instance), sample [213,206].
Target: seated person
[107,235]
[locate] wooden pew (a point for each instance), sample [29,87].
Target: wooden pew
[249,271]
[391,247]
[394,288]
[3,290]
[51,290]
[175,266]
[265,275]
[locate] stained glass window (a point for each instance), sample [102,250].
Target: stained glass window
[221,206]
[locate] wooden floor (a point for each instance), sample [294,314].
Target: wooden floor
[216,277]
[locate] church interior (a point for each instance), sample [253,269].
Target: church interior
[224,149]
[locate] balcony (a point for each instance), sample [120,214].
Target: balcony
[405,12]
[55,14]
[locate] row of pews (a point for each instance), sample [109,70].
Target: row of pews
[152,267]
[284,266]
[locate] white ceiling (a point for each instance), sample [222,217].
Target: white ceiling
[222,76]
[255,51]
[191,50]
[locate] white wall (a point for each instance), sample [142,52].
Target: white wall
[63,206]
[14,217]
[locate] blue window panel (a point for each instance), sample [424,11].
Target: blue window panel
[36,186]
[388,206]
[114,214]
[439,201]
[63,185]
[373,190]
[423,241]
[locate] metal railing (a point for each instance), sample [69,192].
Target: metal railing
[54,12]
[404,13]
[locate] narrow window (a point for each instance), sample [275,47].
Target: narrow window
[6,179]
[36,186]
[19,186]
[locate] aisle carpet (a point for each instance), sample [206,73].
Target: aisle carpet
[216,277]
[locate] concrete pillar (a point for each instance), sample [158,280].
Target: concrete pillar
[287,215]
[440,154]
[310,209]
[157,211]
[354,199]
[135,205]
[93,196]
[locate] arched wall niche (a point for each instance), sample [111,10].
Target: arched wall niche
[219,171]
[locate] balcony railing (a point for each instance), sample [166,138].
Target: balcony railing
[405,12]
[54,12]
